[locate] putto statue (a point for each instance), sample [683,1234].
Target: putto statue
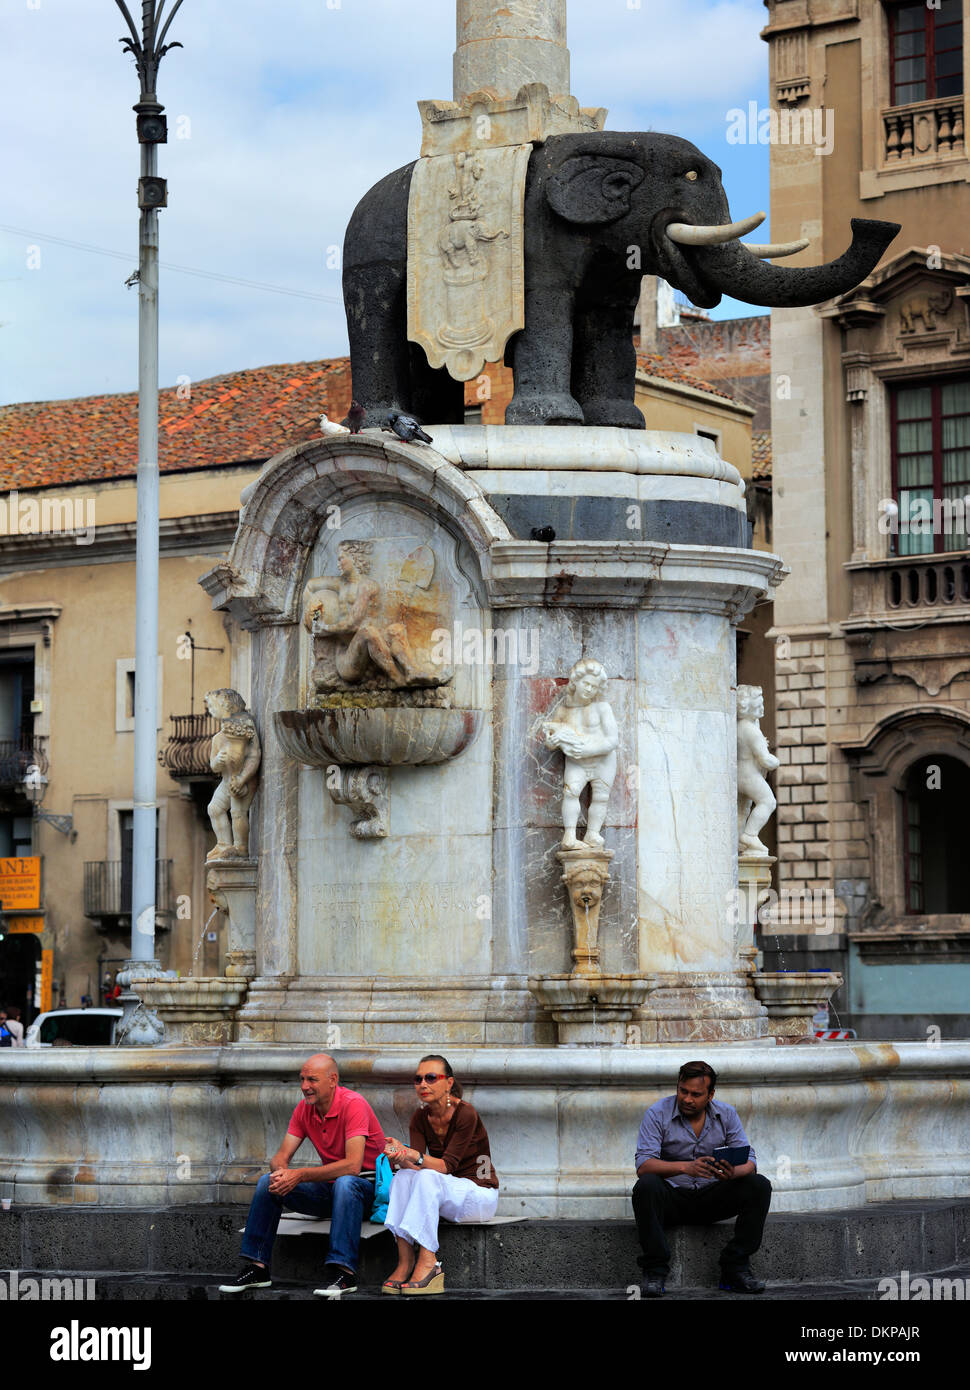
[756,801]
[235,756]
[583,726]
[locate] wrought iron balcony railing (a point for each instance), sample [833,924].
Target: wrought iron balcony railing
[107,888]
[186,754]
[16,755]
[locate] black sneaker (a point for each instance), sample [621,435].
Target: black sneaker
[652,1286]
[740,1281]
[341,1283]
[251,1277]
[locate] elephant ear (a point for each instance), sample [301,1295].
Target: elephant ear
[593,188]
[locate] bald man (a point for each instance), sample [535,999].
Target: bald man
[347,1136]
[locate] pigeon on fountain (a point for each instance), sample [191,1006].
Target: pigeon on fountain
[406,428]
[328,426]
[354,419]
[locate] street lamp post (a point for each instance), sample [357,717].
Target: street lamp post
[139,1025]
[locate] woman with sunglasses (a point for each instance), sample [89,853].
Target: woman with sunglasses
[447,1171]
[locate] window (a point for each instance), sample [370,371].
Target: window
[936,864]
[931,466]
[926,51]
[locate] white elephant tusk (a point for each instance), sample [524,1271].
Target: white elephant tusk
[784,248]
[687,235]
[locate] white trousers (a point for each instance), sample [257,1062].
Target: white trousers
[420,1196]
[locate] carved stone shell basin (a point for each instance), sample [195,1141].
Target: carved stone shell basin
[377,737]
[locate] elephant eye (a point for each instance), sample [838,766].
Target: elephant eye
[691,176]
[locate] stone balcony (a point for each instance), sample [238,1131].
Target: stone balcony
[910,616]
[923,130]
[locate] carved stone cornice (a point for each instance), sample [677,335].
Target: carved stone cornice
[210,533]
[629,574]
[940,937]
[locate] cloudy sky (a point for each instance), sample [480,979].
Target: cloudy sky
[289,110]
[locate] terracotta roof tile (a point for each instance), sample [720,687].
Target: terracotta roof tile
[239,417]
[761,454]
[656,365]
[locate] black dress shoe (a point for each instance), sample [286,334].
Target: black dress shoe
[740,1281]
[652,1286]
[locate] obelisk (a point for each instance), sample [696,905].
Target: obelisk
[504,47]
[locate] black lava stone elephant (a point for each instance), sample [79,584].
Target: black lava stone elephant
[602,209]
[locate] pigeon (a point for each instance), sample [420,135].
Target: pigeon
[406,428]
[354,419]
[543,533]
[328,426]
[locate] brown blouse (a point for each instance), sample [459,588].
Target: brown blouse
[464,1147]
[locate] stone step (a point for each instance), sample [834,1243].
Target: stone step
[112,1287]
[799,1249]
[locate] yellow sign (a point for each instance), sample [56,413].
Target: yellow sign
[23,924]
[19,883]
[46,979]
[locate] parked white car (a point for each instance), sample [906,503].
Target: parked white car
[73,1028]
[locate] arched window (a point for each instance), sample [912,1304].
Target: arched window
[936,795]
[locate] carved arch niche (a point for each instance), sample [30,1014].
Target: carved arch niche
[880,768]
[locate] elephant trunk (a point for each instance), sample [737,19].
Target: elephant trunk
[732,269]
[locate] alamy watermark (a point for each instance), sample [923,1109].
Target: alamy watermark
[33,516]
[812,126]
[16,1289]
[922,1287]
[490,646]
[812,908]
[921,516]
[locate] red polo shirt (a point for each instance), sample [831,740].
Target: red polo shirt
[349,1116]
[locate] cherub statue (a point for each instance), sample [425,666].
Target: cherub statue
[584,728]
[235,756]
[346,607]
[756,802]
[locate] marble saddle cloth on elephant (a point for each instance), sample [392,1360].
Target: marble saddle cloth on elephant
[466,264]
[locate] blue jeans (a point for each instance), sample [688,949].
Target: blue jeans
[347,1201]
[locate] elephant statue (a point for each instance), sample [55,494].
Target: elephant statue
[602,209]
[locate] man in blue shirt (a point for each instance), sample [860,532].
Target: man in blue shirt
[680,1183]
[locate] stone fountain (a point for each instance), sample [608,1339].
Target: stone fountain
[462,652]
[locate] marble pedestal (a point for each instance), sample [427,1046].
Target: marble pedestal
[431,933]
[232,886]
[793,997]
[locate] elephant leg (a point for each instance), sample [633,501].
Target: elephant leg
[436,398]
[375,298]
[604,357]
[376,302]
[541,361]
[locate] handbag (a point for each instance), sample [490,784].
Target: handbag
[382,1190]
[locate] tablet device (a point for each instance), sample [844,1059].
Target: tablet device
[735,1156]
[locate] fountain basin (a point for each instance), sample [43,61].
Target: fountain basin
[357,737]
